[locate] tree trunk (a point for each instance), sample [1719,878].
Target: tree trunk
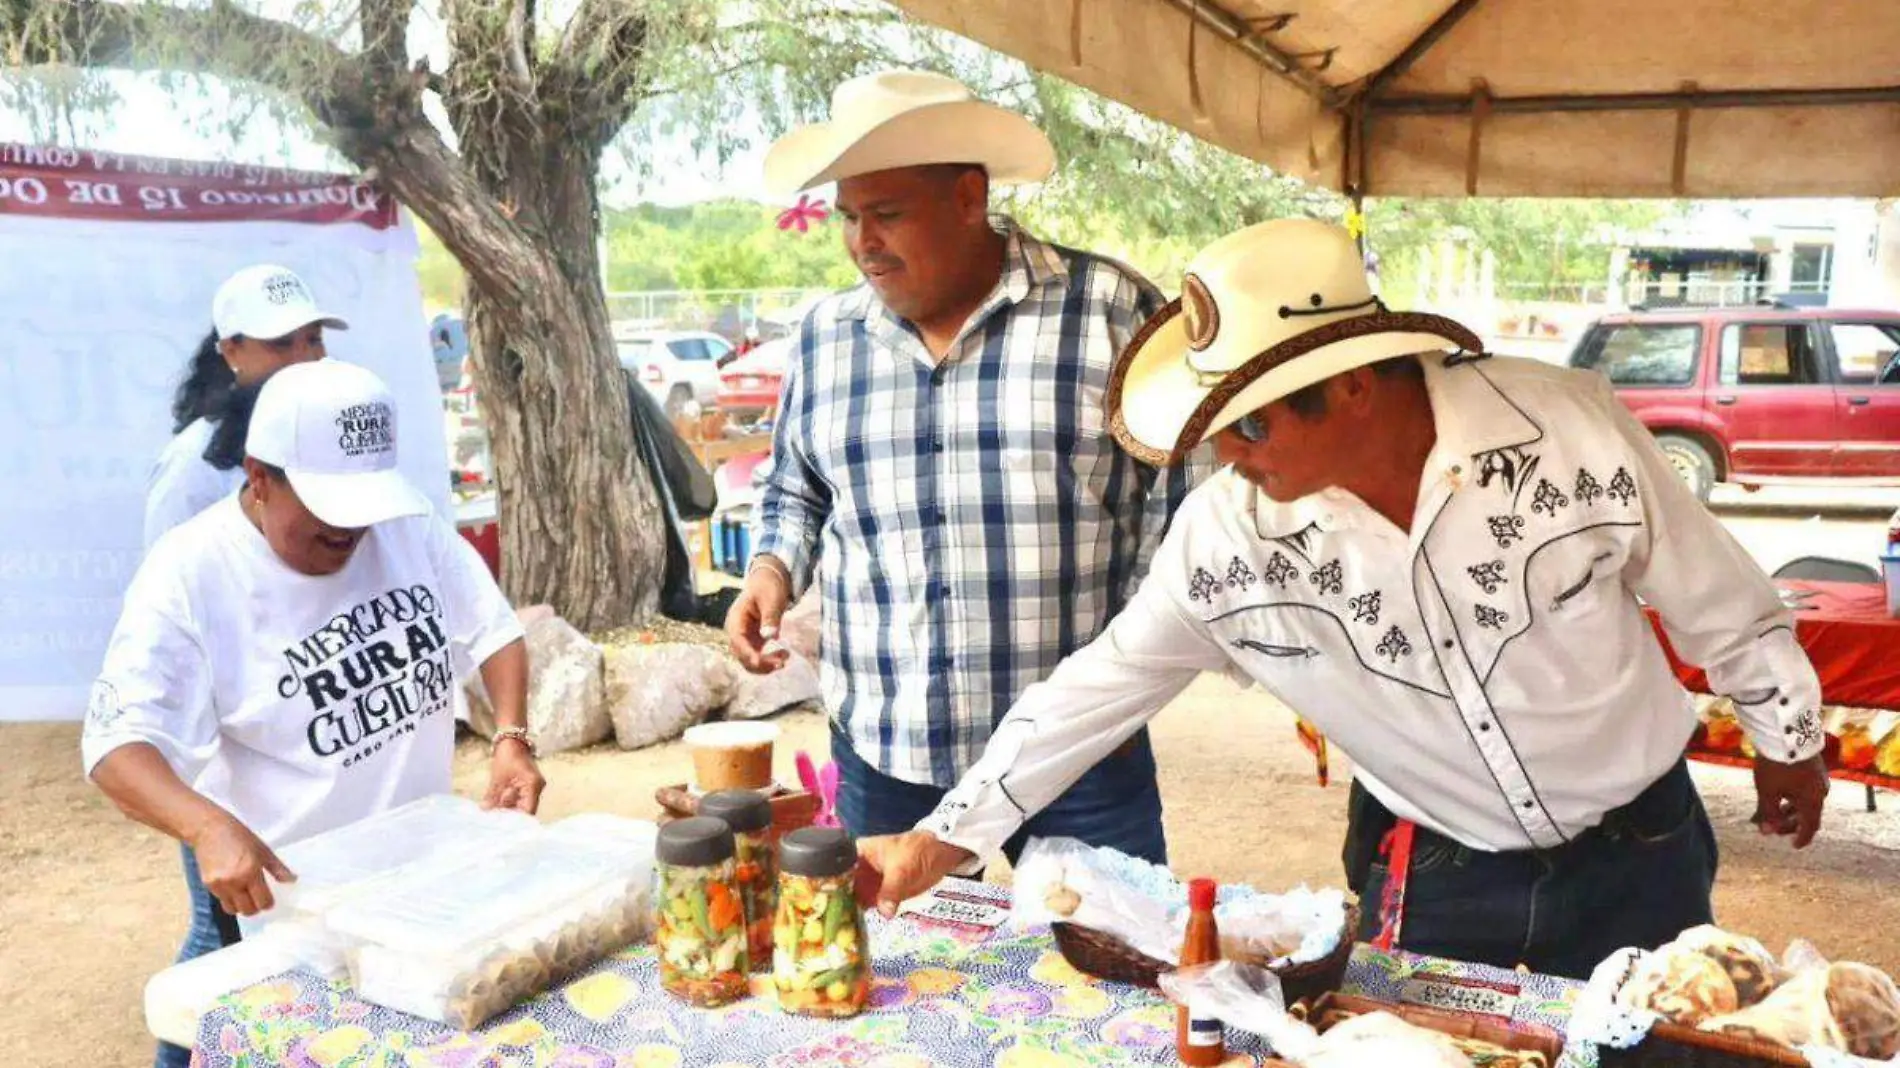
[554,399]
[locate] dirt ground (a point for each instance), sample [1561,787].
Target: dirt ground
[93,905]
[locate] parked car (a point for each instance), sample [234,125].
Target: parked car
[1752,395]
[675,366]
[749,385]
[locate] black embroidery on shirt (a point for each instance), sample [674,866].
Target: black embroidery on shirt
[1529,618]
[1240,576]
[1488,575]
[1202,586]
[1507,529]
[1588,490]
[1365,608]
[1622,487]
[1283,650]
[1281,571]
[1329,579]
[1580,585]
[1300,543]
[1490,617]
[1805,731]
[1513,467]
[1278,652]
[1548,498]
[1394,645]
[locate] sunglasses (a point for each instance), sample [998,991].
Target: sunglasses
[1251,428]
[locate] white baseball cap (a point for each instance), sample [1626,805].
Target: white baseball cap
[264,302]
[331,427]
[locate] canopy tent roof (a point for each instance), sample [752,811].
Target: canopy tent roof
[1701,98]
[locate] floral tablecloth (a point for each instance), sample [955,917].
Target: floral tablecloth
[943,995]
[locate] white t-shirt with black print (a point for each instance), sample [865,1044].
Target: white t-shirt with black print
[298,703]
[183,483]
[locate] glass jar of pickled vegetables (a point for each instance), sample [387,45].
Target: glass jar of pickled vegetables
[749,814]
[821,965]
[700,928]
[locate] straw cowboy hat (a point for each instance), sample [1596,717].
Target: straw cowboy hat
[907,118]
[1263,312]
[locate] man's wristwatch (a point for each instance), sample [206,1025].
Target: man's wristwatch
[519,733]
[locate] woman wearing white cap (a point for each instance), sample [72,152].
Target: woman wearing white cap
[263,318]
[286,661]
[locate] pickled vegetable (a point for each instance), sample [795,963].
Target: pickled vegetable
[701,934]
[757,876]
[819,963]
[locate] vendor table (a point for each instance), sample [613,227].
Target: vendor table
[943,995]
[1847,634]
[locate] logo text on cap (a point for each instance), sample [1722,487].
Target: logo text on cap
[367,429]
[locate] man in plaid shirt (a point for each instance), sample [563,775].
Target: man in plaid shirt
[941,467]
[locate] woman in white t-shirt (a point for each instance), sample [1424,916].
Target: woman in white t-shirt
[263,318]
[286,661]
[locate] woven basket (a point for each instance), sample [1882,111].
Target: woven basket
[1674,1046]
[1331,1009]
[791,809]
[1105,956]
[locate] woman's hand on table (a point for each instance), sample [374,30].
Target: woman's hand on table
[232,861]
[514,779]
[908,864]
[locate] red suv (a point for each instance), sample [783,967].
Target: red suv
[1759,394]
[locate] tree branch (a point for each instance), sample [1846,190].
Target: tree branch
[375,120]
[385,34]
[600,67]
[219,39]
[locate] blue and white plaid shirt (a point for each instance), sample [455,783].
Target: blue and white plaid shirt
[971,522]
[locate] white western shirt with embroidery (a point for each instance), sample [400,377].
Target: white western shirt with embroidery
[1491,675]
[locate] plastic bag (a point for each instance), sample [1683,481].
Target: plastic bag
[1064,880]
[1061,880]
[1246,998]
[1849,1007]
[1297,927]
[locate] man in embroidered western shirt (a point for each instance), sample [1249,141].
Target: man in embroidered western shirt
[1437,560]
[942,469]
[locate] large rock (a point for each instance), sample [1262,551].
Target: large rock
[655,691]
[566,690]
[758,696]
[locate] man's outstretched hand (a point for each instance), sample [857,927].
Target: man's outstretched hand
[898,867]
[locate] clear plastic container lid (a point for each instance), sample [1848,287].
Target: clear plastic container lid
[488,897]
[430,830]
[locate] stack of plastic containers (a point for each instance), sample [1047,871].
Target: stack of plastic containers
[438,909]
[460,942]
[337,863]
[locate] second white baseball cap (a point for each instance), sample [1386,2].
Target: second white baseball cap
[265,302]
[331,427]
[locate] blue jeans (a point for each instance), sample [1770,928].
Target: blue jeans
[1639,878]
[1116,804]
[212,929]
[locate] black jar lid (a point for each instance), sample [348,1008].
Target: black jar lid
[744,811]
[699,842]
[817,852]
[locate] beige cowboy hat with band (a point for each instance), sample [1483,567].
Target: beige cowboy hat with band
[1263,312]
[908,118]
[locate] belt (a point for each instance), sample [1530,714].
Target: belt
[1399,843]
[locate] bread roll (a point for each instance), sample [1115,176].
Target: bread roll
[1681,986]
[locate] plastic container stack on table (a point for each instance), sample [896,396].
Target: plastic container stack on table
[423,833]
[437,908]
[460,943]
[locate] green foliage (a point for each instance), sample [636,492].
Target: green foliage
[722,244]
